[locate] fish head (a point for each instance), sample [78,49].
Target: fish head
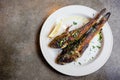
[63,59]
[59,41]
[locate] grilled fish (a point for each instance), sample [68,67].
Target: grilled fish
[66,38]
[75,50]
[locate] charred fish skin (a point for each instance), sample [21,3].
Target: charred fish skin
[67,38]
[65,56]
[69,55]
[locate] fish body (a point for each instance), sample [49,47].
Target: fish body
[66,38]
[76,49]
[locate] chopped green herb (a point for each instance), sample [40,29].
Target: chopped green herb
[64,39]
[93,47]
[75,34]
[94,30]
[100,36]
[98,47]
[61,42]
[75,23]
[92,57]
[79,63]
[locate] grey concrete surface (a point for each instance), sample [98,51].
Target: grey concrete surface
[20,24]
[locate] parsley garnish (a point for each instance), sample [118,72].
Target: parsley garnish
[98,47]
[100,36]
[93,47]
[92,57]
[75,23]
[79,63]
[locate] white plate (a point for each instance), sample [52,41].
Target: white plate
[69,69]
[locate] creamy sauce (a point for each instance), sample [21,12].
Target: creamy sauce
[91,52]
[72,21]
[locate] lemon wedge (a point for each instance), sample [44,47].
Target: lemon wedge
[56,29]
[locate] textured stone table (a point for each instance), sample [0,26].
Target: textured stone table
[20,24]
